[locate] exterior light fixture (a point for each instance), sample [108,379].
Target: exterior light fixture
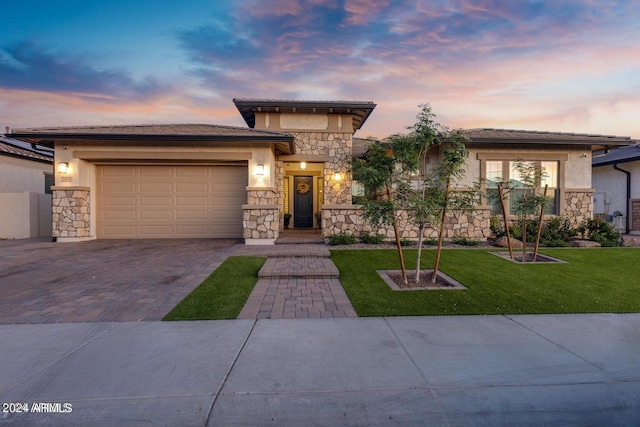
[303,165]
[63,167]
[337,176]
[260,169]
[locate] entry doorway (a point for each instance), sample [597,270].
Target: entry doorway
[303,193]
[303,201]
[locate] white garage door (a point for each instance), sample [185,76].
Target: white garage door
[170,201]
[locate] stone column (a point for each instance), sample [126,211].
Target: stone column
[71,208]
[261,217]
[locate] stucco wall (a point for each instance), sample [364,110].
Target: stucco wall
[613,184]
[25,215]
[18,175]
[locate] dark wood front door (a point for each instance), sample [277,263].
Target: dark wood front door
[303,202]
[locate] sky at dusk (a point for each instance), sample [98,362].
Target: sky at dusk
[556,65]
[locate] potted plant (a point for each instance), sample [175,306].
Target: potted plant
[287,218]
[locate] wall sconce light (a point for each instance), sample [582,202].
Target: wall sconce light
[303,165]
[337,176]
[63,167]
[260,169]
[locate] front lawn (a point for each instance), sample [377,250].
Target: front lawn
[604,280]
[223,294]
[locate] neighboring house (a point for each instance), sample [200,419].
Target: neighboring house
[163,181]
[26,177]
[616,179]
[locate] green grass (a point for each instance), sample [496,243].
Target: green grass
[223,294]
[604,280]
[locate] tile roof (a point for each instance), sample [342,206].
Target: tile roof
[15,148]
[151,130]
[490,135]
[157,133]
[618,155]
[360,146]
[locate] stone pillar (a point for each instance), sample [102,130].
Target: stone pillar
[578,204]
[71,208]
[261,217]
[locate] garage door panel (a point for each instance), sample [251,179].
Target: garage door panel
[118,173]
[156,201]
[192,187]
[119,230]
[188,172]
[159,214]
[121,187]
[155,172]
[170,201]
[186,214]
[155,187]
[202,201]
[120,201]
[113,215]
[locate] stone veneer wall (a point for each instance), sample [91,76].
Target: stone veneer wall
[338,147]
[578,205]
[71,212]
[261,215]
[336,219]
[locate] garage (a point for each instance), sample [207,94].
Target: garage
[178,201]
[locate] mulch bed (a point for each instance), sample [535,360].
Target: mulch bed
[443,282]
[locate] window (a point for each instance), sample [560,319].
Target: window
[48,182]
[496,171]
[285,201]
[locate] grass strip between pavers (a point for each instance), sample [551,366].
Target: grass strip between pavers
[223,294]
[603,280]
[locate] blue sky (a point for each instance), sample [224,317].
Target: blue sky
[557,65]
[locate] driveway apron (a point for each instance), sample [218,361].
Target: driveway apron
[102,280]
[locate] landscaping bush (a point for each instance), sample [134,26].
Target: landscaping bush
[600,231]
[465,241]
[556,231]
[430,241]
[342,238]
[371,239]
[406,242]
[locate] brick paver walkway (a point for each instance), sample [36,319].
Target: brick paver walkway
[297,281]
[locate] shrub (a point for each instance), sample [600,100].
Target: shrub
[406,242]
[464,241]
[341,238]
[554,231]
[430,241]
[495,224]
[600,231]
[372,239]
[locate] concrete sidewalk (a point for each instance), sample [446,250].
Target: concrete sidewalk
[450,371]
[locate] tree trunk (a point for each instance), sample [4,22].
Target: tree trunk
[504,218]
[434,277]
[419,254]
[400,254]
[535,249]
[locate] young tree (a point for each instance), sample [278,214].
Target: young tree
[396,182]
[446,200]
[529,178]
[381,172]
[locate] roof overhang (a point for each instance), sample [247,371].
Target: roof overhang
[526,139]
[360,110]
[283,143]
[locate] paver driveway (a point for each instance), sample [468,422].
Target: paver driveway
[102,280]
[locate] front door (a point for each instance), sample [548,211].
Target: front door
[303,201]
